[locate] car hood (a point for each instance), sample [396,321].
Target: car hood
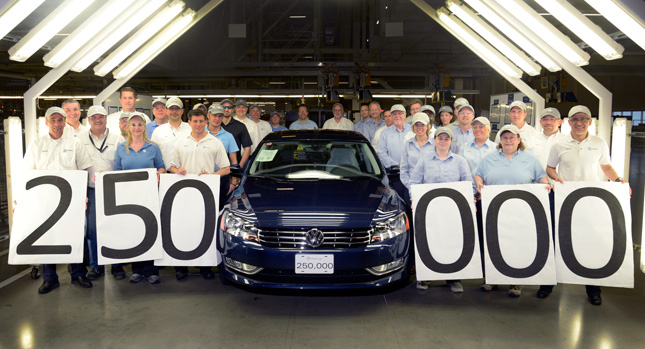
[325,204]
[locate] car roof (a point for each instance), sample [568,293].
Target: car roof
[332,135]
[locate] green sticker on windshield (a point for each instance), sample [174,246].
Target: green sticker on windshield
[266,155]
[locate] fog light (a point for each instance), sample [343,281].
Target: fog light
[241,267]
[386,268]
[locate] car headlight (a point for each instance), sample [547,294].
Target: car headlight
[238,227]
[391,228]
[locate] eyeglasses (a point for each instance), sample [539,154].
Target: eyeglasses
[575,120]
[227,107]
[466,113]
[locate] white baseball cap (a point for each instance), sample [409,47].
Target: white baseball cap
[518,104]
[420,117]
[551,111]
[174,101]
[96,109]
[460,101]
[427,107]
[55,110]
[398,107]
[579,109]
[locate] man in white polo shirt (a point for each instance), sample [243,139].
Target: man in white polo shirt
[198,152]
[100,145]
[338,122]
[55,152]
[580,156]
[167,134]
[550,120]
[127,98]
[530,136]
[73,118]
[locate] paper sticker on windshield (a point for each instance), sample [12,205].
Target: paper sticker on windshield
[266,155]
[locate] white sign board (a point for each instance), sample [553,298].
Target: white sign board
[445,229]
[189,207]
[519,244]
[127,216]
[594,234]
[49,219]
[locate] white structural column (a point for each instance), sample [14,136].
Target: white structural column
[13,158]
[517,82]
[116,84]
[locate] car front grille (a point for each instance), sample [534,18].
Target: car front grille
[296,239]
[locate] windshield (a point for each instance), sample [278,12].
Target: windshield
[315,159]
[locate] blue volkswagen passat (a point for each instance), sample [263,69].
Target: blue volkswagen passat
[314,210]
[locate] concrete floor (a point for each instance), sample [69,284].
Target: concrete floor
[197,313]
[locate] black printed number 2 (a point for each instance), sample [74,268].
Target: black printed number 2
[27,247]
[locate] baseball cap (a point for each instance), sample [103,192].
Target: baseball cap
[511,128]
[427,107]
[398,107]
[551,111]
[140,115]
[198,105]
[174,101]
[159,100]
[254,106]
[96,109]
[460,101]
[420,117]
[579,109]
[55,110]
[241,102]
[226,100]
[481,119]
[446,108]
[216,108]
[441,130]
[275,112]
[467,106]
[518,104]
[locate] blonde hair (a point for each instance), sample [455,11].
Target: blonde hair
[129,138]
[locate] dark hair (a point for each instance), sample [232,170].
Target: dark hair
[127,89]
[437,118]
[519,147]
[196,112]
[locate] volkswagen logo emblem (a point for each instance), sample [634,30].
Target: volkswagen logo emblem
[314,237]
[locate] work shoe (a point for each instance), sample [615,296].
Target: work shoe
[486,287]
[48,286]
[514,291]
[154,279]
[118,272]
[456,287]
[35,274]
[181,274]
[135,278]
[95,273]
[543,293]
[423,285]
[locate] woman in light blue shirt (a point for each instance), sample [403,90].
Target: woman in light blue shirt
[510,164]
[139,152]
[415,147]
[441,166]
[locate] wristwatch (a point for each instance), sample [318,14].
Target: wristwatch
[619,179]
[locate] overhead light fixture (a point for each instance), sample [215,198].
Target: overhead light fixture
[277,83]
[518,38]
[584,28]
[622,18]
[134,15]
[233,96]
[139,38]
[542,28]
[167,35]
[297,17]
[399,96]
[15,12]
[47,28]
[478,45]
[81,35]
[494,38]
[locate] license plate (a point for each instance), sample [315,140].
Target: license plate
[314,263]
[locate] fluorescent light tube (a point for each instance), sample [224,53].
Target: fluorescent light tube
[47,28]
[139,38]
[584,28]
[81,35]
[14,13]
